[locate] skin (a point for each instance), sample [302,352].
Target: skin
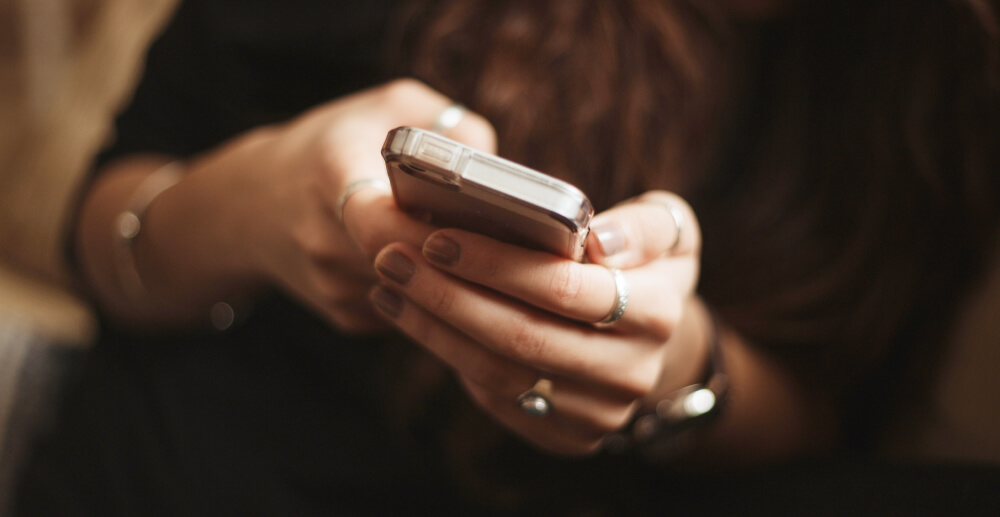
[204,240]
[498,323]
[539,310]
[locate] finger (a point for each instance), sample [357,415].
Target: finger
[348,316]
[549,434]
[520,332]
[635,233]
[331,295]
[586,410]
[373,221]
[408,102]
[485,367]
[577,423]
[399,103]
[589,410]
[584,292]
[656,297]
[365,119]
[370,115]
[357,319]
[359,269]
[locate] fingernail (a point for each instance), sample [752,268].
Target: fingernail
[442,250]
[611,238]
[388,302]
[396,266]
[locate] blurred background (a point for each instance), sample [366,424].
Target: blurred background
[66,66]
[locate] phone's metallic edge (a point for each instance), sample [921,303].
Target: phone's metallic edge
[404,142]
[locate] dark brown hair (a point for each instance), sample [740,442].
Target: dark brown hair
[842,158]
[610,95]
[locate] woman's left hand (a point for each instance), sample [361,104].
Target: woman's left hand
[503,317]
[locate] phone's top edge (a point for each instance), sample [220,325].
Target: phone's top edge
[556,198]
[569,205]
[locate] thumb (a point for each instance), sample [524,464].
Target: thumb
[648,227]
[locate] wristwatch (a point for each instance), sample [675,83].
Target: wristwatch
[668,428]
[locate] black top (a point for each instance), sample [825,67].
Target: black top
[224,66]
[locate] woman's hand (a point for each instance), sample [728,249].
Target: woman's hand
[262,210]
[306,166]
[503,317]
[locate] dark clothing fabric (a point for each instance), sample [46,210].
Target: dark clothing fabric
[224,66]
[277,417]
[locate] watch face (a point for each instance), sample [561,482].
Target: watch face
[668,429]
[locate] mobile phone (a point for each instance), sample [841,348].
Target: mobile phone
[461,187]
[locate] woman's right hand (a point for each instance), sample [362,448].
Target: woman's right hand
[294,176]
[261,209]
[300,171]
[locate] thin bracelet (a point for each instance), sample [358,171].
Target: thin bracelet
[665,431]
[128,224]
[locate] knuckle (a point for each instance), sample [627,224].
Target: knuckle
[662,325]
[660,329]
[368,244]
[402,91]
[566,284]
[492,267]
[443,300]
[525,338]
[368,241]
[641,379]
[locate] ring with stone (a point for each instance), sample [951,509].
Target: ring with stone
[535,401]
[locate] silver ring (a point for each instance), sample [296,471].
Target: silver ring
[621,298]
[448,119]
[535,401]
[353,188]
[678,217]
